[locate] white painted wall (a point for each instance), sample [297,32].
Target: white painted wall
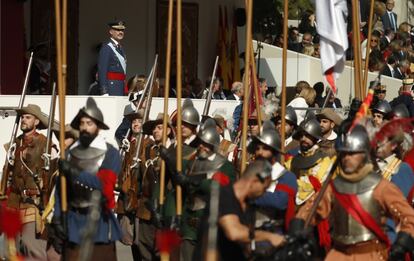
[112,108]
[140,36]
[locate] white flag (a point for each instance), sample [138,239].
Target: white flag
[331,18]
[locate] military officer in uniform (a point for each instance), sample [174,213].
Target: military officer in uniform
[195,181]
[91,167]
[25,184]
[381,113]
[358,201]
[112,62]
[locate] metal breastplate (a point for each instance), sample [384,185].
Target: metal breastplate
[199,170]
[86,159]
[346,230]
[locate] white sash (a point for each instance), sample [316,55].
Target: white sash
[120,57]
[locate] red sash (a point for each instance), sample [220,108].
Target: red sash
[115,76]
[323,226]
[353,207]
[290,210]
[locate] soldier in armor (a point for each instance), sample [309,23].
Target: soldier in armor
[381,113]
[25,184]
[311,165]
[291,124]
[148,197]
[328,120]
[389,154]
[400,112]
[190,120]
[91,168]
[195,181]
[276,207]
[358,201]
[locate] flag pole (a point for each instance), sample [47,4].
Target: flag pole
[357,49]
[179,83]
[249,4]
[370,25]
[166,96]
[284,75]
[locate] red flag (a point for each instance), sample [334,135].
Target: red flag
[363,110]
[333,37]
[252,100]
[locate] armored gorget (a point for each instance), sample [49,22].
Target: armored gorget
[89,160]
[346,230]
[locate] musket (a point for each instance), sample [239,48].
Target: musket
[47,155]
[146,115]
[12,145]
[124,148]
[210,89]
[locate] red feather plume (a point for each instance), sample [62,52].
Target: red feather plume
[10,222]
[221,178]
[167,240]
[393,128]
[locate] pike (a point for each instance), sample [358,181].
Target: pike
[210,89]
[12,148]
[146,114]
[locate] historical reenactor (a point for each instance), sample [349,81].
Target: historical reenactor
[112,62]
[291,124]
[329,120]
[25,184]
[405,97]
[148,212]
[389,153]
[358,201]
[91,168]
[195,181]
[128,179]
[381,113]
[276,207]
[226,147]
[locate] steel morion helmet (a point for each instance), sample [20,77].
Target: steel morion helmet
[400,111]
[208,134]
[268,136]
[189,113]
[355,141]
[92,111]
[311,127]
[382,107]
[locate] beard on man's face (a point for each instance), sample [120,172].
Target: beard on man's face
[86,138]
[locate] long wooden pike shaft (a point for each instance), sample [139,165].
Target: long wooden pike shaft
[246,84]
[256,88]
[166,95]
[284,78]
[179,83]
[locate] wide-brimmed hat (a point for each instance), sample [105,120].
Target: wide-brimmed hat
[34,110]
[69,131]
[135,115]
[149,126]
[220,121]
[330,114]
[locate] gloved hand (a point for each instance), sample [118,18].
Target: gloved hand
[402,245]
[57,234]
[169,158]
[180,179]
[67,169]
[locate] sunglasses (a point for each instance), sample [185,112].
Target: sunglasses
[378,92]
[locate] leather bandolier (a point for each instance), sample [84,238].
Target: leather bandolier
[128,181]
[148,179]
[86,159]
[346,230]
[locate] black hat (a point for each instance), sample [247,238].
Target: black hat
[119,25]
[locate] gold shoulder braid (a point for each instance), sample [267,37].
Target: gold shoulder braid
[390,168]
